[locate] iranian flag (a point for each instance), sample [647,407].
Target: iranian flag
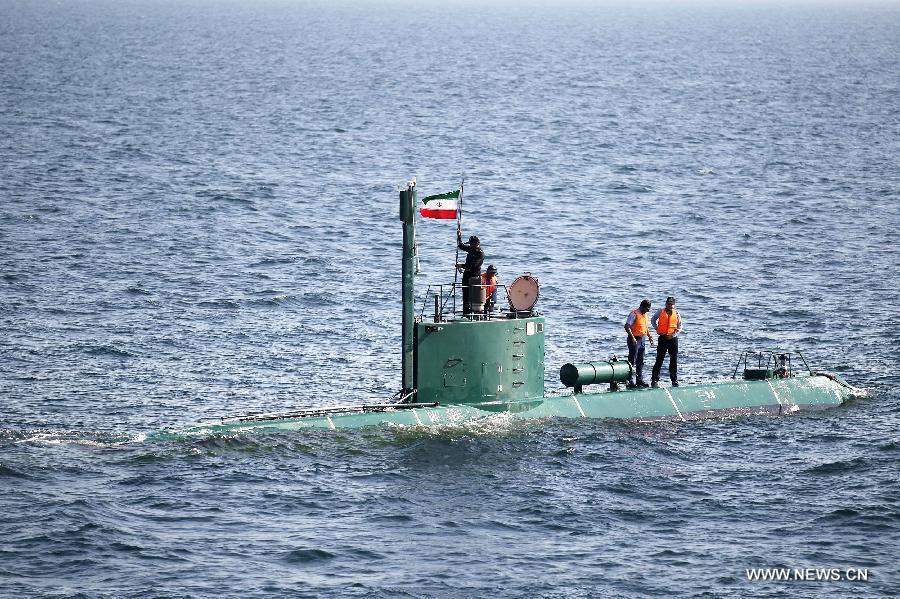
[442,206]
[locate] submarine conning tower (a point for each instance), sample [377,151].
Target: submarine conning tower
[450,357]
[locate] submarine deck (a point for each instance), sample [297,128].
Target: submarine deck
[720,399]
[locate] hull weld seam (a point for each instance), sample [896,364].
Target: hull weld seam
[784,407]
[674,405]
[578,405]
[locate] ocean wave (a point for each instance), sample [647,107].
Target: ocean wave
[304,556]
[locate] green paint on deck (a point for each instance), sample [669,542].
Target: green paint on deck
[693,402]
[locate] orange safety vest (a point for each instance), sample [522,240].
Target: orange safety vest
[489,284]
[667,325]
[641,325]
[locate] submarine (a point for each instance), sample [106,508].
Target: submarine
[459,366]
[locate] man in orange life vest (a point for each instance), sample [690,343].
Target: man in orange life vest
[489,281]
[667,323]
[637,325]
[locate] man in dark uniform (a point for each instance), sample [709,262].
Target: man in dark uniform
[471,267]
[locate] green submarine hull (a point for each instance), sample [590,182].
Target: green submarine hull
[461,366]
[721,399]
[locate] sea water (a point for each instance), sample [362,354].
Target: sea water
[198,217]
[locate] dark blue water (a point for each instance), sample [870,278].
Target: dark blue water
[198,217]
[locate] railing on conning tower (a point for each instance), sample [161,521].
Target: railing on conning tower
[446,302]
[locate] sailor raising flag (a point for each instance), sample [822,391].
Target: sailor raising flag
[448,206]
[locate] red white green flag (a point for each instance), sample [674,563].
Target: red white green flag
[442,206]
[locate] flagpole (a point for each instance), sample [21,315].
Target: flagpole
[458,234]
[458,227]
[459,212]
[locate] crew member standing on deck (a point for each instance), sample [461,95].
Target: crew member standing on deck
[667,323]
[637,325]
[489,282]
[472,266]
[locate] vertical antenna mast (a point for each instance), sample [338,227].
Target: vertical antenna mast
[407,216]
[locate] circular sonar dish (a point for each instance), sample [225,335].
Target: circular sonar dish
[523,293]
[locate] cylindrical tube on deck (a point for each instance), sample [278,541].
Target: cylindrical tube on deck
[594,373]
